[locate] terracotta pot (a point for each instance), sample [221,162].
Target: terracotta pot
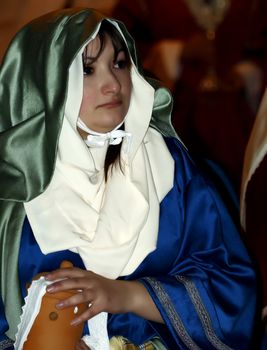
[51,329]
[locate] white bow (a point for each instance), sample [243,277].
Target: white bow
[97,139]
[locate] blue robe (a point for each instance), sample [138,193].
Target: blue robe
[200,276]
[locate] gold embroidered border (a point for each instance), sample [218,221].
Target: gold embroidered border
[202,313]
[172,314]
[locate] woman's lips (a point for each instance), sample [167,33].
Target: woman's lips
[111,104]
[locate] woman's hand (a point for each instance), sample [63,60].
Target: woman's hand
[81,346]
[102,294]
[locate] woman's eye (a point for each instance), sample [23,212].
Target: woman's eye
[88,70]
[121,64]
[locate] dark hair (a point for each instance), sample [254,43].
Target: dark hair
[108,29]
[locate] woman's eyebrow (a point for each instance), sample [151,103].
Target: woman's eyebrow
[118,51]
[88,59]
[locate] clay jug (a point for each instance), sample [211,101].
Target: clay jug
[51,329]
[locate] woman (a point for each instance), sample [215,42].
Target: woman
[95,174]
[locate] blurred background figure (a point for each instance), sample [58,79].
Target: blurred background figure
[212,55]
[253,208]
[15,13]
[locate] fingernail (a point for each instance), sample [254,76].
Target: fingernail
[60,305]
[47,277]
[50,289]
[75,322]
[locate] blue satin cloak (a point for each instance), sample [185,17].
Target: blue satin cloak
[200,277]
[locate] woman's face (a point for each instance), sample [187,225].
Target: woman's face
[107,87]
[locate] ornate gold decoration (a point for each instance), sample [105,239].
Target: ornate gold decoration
[208,15]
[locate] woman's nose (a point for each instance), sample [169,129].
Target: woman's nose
[111,84]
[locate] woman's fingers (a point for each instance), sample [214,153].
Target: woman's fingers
[72,272]
[105,294]
[86,315]
[76,299]
[71,278]
[79,283]
[81,346]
